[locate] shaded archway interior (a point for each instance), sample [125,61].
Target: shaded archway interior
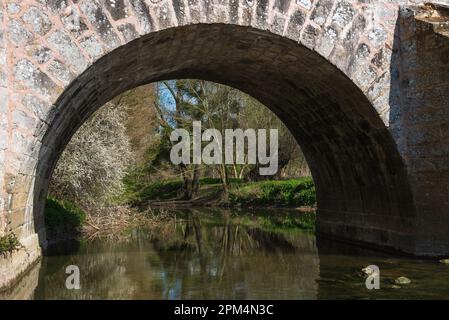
[360,178]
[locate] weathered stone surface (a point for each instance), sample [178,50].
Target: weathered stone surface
[116,8]
[353,35]
[18,34]
[20,119]
[20,261]
[328,42]
[13,7]
[25,287]
[128,31]
[92,47]
[58,70]
[40,53]
[101,23]
[377,36]
[295,24]
[2,56]
[39,107]
[361,84]
[321,11]
[343,15]
[35,79]
[180,11]
[68,50]
[306,4]
[74,22]
[56,5]
[38,20]
[141,12]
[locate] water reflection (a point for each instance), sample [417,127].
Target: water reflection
[199,255]
[226,255]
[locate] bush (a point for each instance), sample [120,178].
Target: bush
[93,164]
[306,197]
[62,219]
[8,243]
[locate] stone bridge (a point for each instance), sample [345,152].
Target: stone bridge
[362,85]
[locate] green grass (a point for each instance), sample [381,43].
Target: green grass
[166,189]
[62,218]
[8,243]
[160,190]
[293,192]
[283,193]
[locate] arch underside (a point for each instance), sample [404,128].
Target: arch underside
[362,187]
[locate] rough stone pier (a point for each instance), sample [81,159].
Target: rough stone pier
[363,86]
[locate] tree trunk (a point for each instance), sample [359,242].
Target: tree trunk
[187,184]
[195,181]
[225,183]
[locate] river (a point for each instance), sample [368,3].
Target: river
[227,254]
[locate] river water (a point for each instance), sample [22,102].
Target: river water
[243,254]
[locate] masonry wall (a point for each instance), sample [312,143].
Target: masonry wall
[3,116]
[422,124]
[340,78]
[50,43]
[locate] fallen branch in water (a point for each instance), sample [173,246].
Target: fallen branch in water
[112,222]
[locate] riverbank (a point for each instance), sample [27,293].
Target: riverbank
[146,206]
[65,221]
[273,193]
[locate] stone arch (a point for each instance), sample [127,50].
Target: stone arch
[354,161]
[327,64]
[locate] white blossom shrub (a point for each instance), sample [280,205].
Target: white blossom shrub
[92,166]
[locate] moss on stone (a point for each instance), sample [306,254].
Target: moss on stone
[8,243]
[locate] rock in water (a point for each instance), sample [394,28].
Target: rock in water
[402,280]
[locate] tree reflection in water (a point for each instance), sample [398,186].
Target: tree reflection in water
[202,254]
[199,254]
[222,255]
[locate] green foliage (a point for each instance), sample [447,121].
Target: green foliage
[160,190]
[177,104]
[293,192]
[8,243]
[62,218]
[208,181]
[137,191]
[306,197]
[137,183]
[284,193]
